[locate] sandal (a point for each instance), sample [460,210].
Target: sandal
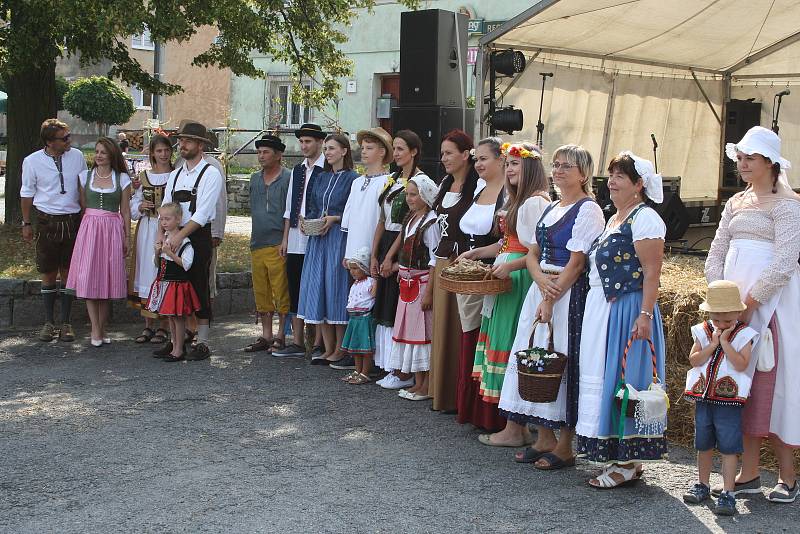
[554,462]
[188,338]
[146,335]
[605,481]
[278,344]
[349,376]
[359,379]
[259,345]
[486,439]
[529,455]
[160,338]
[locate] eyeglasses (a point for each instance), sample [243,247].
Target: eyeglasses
[562,166]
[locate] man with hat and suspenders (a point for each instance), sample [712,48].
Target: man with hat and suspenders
[196,185]
[268,188]
[310,137]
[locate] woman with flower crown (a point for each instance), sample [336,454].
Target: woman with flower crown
[557,262]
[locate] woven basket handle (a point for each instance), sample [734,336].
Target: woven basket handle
[550,346]
[652,352]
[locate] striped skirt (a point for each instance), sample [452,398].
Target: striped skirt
[324,284]
[97,269]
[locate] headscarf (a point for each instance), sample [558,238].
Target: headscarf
[361,258]
[428,190]
[653,187]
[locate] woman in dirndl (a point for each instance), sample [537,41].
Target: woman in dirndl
[97,270]
[557,263]
[324,285]
[757,245]
[624,273]
[407,152]
[526,189]
[149,192]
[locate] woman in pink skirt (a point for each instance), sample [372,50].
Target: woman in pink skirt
[97,269]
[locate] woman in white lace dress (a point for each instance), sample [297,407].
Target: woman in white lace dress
[757,246]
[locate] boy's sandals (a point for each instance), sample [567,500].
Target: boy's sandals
[259,345]
[359,379]
[160,338]
[349,376]
[605,480]
[146,335]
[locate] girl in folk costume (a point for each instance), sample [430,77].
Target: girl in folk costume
[756,245]
[97,269]
[407,152]
[557,262]
[359,338]
[526,186]
[149,187]
[172,294]
[413,325]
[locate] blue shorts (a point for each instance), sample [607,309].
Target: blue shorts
[719,427]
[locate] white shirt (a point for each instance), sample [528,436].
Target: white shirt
[218,224]
[187,256]
[41,182]
[431,236]
[297,240]
[361,213]
[207,192]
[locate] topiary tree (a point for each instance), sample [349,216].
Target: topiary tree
[98,99]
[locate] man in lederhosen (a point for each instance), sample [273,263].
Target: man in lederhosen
[196,185]
[50,182]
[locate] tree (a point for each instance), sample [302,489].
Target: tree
[98,99]
[34,33]
[62,86]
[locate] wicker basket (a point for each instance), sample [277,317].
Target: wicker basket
[540,384]
[312,226]
[490,286]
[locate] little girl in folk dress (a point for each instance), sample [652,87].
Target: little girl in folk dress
[171,294]
[413,324]
[359,338]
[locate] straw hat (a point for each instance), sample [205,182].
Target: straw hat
[382,136]
[722,297]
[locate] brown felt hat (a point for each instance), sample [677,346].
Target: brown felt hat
[723,296]
[380,135]
[193,130]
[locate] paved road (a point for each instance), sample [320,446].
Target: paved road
[110,439]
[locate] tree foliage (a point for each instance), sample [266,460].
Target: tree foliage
[62,86]
[98,99]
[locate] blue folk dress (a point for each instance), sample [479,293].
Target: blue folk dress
[613,304]
[324,282]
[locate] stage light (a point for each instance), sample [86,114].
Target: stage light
[507,119]
[508,62]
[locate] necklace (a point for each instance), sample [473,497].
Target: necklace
[98,176]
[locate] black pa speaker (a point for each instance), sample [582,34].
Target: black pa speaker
[432,58]
[740,116]
[431,123]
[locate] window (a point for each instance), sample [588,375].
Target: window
[284,112]
[141,99]
[143,41]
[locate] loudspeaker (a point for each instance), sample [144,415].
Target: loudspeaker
[430,123]
[672,210]
[740,116]
[430,57]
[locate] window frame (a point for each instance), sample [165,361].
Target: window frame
[145,41]
[304,113]
[138,96]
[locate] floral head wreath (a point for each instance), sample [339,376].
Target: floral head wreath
[519,151]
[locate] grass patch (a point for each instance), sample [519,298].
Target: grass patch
[17,259]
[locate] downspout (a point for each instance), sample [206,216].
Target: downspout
[607,125]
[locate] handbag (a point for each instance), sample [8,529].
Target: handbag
[764,352]
[647,407]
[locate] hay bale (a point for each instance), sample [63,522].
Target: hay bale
[683,288]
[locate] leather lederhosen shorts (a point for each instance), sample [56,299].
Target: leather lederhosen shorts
[55,238]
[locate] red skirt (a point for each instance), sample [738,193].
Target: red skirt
[173,298]
[470,405]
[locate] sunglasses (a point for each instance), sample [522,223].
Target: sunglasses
[63,138]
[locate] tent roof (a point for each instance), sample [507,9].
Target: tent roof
[674,38]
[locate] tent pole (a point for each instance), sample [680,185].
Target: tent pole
[607,126]
[480,82]
[726,96]
[708,100]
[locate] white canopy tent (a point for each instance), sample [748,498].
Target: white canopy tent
[624,69]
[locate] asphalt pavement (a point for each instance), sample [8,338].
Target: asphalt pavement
[113,440]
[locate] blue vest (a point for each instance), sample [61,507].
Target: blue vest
[617,262]
[298,187]
[553,239]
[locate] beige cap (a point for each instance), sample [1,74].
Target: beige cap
[722,297]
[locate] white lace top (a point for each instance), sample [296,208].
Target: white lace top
[360,299]
[778,223]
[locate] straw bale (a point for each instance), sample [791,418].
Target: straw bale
[683,288]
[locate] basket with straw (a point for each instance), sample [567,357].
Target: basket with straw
[470,277]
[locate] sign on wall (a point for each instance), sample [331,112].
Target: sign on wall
[490,26]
